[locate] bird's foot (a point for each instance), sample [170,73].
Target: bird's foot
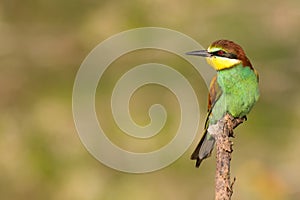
[238,121]
[232,123]
[244,118]
[231,134]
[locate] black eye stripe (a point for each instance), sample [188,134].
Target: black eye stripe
[218,53]
[221,53]
[231,55]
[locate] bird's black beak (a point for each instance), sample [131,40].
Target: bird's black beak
[203,53]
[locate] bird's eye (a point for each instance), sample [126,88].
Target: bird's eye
[221,53]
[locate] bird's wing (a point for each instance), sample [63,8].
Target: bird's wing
[257,76]
[215,92]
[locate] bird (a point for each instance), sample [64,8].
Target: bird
[233,90]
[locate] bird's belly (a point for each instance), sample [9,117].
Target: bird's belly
[237,106]
[237,100]
[240,105]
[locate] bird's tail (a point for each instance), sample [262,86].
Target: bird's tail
[204,148]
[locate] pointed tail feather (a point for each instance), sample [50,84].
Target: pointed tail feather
[204,148]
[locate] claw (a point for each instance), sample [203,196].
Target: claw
[231,133]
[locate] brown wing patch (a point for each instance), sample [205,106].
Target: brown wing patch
[214,94]
[257,76]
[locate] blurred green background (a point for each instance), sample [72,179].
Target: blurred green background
[42,44]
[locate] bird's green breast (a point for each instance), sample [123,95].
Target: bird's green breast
[240,91]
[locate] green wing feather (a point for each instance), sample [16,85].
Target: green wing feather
[206,143]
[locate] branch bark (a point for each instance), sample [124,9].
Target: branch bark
[222,131]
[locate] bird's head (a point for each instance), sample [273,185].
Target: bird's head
[223,54]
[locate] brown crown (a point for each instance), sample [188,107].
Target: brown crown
[233,48]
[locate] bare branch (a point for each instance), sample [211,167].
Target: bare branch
[222,131]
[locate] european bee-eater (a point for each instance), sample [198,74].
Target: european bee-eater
[233,90]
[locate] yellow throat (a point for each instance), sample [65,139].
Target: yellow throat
[220,63]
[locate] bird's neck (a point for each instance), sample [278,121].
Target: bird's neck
[235,74]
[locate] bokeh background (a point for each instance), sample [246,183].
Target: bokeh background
[42,44]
